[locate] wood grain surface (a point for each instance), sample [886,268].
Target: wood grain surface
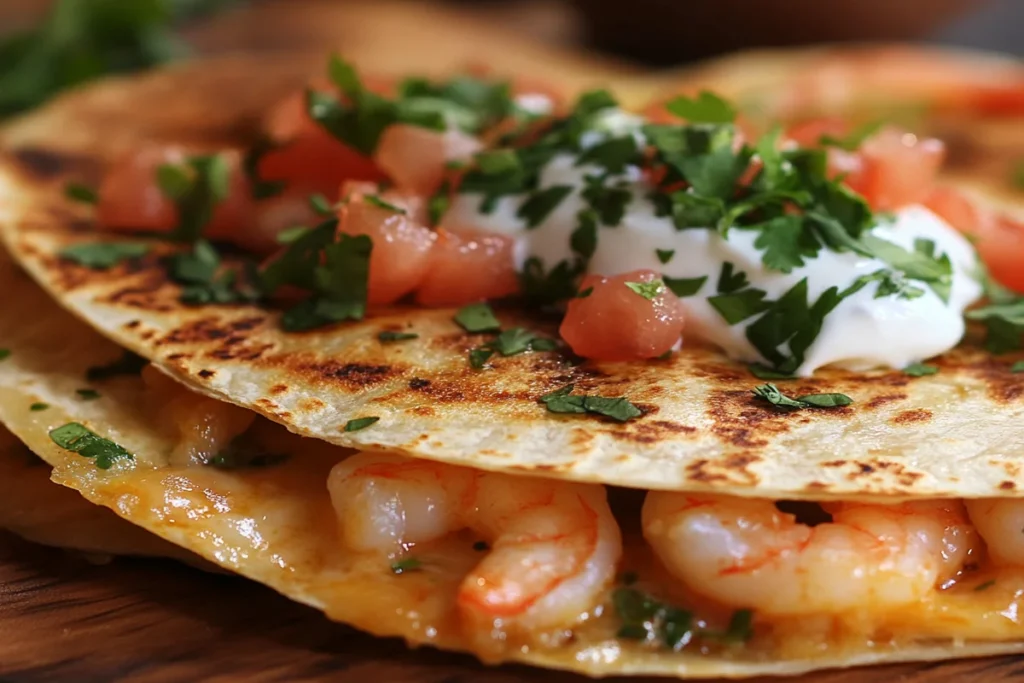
[65,619]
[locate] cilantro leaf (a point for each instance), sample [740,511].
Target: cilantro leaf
[583,240]
[539,205]
[196,187]
[609,203]
[786,244]
[404,566]
[647,290]
[80,193]
[1004,323]
[77,438]
[664,255]
[920,369]
[682,287]
[103,255]
[613,154]
[562,401]
[387,336]
[438,204]
[707,107]
[731,280]
[377,201]
[358,423]
[543,288]
[87,394]
[128,364]
[736,307]
[769,392]
[37,407]
[1017,367]
[321,205]
[477,318]
[261,189]
[479,356]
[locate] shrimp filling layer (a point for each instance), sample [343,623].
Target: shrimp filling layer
[531,562]
[792,250]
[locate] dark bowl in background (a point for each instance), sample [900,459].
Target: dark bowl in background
[675,31]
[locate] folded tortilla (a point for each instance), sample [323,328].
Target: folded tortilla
[701,429]
[275,524]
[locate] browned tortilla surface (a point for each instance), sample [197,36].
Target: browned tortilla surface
[951,434]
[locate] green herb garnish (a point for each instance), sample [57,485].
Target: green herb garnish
[237,457]
[360,423]
[984,586]
[665,255]
[196,187]
[770,392]
[539,205]
[647,618]
[103,255]
[647,290]
[409,564]
[5,354]
[387,336]
[321,205]
[87,394]
[681,286]
[1017,367]
[477,318]
[376,200]
[36,407]
[562,401]
[80,193]
[128,364]
[920,369]
[707,107]
[76,437]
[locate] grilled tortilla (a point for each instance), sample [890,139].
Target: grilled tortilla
[950,434]
[275,524]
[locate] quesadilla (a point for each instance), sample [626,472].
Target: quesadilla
[263,507]
[761,334]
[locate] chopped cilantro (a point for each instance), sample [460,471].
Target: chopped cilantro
[647,290]
[539,205]
[684,286]
[128,364]
[665,255]
[103,255]
[80,193]
[1017,367]
[395,336]
[377,201]
[920,369]
[239,455]
[261,189]
[477,318]
[196,187]
[558,284]
[608,202]
[409,564]
[76,437]
[1004,323]
[613,154]
[984,585]
[647,618]
[707,107]
[338,277]
[738,306]
[562,401]
[202,279]
[1017,174]
[36,407]
[289,235]
[360,423]
[584,238]
[87,394]
[321,205]
[584,293]
[855,138]
[761,372]
[479,356]
[770,392]
[438,205]
[729,280]
[5,354]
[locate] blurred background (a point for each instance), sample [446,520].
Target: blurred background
[49,44]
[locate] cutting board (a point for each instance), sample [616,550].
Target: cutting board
[65,619]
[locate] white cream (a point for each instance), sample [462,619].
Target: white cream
[862,332]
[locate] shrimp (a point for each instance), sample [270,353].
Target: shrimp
[999,522]
[746,553]
[554,546]
[205,426]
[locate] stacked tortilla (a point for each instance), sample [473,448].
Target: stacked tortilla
[955,434]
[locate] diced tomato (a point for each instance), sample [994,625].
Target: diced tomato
[899,168]
[616,323]
[467,267]
[415,157]
[130,199]
[401,247]
[999,239]
[307,157]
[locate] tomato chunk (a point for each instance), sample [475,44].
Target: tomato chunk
[468,267]
[616,323]
[415,157]
[130,199]
[999,239]
[401,247]
[899,168]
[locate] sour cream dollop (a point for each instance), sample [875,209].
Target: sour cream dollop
[862,332]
